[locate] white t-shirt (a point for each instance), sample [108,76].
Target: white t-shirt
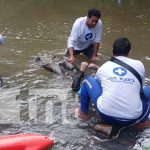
[81,36]
[120,96]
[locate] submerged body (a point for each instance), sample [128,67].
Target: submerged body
[52,67]
[63,68]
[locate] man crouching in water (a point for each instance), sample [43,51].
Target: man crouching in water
[118,95]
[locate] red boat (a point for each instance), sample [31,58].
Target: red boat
[25,142]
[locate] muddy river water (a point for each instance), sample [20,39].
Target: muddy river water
[33,100]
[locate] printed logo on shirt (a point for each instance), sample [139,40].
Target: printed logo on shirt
[120,78]
[88,36]
[120,71]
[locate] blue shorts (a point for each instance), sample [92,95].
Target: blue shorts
[88,52]
[91,89]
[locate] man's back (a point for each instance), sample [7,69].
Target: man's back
[121,96]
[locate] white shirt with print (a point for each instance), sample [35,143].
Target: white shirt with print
[81,36]
[120,97]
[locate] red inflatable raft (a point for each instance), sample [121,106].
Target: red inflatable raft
[25,142]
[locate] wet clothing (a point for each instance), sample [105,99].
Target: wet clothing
[120,89]
[91,90]
[82,37]
[115,93]
[88,52]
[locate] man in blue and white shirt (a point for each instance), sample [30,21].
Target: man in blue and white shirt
[115,91]
[85,36]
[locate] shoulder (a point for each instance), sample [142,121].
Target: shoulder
[99,24]
[80,20]
[130,61]
[137,63]
[104,66]
[140,65]
[79,23]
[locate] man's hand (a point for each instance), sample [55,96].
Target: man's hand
[71,55]
[95,48]
[83,116]
[93,66]
[94,59]
[84,66]
[71,59]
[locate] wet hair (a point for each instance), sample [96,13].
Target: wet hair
[121,47]
[94,12]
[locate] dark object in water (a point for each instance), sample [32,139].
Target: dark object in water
[1,82]
[77,81]
[69,66]
[61,68]
[53,68]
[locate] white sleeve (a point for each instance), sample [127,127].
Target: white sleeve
[139,67]
[98,32]
[73,35]
[143,74]
[97,76]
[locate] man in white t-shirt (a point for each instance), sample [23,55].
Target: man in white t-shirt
[115,91]
[85,36]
